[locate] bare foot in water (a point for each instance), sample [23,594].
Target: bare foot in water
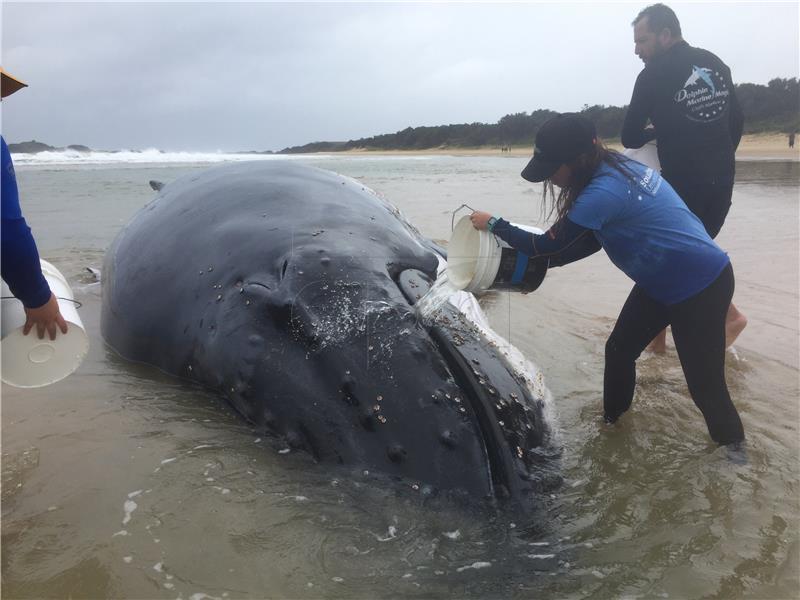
[659,343]
[735,322]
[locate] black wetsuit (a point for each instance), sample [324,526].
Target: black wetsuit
[688,95]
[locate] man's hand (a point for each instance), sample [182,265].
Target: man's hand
[46,317]
[480,220]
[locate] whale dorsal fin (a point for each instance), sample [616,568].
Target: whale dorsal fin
[156,185]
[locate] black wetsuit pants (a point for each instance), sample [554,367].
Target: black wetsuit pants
[698,328]
[709,201]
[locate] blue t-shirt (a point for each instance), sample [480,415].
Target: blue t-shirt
[648,232]
[21,268]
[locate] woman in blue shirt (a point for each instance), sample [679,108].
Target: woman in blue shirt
[682,278]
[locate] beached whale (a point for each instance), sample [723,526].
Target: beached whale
[290,290]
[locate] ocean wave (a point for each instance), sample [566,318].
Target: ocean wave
[149,156]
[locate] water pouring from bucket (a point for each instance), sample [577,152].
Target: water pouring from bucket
[30,362]
[479,261]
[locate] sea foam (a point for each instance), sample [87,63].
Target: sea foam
[149,156]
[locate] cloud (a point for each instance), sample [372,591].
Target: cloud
[207,76]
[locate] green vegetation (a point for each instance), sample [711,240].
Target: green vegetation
[773,108]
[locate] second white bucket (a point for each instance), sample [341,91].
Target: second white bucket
[478,261]
[647,155]
[29,362]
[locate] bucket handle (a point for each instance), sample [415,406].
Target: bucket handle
[453,216]
[453,220]
[75,302]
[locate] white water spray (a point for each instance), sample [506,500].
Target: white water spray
[432,302]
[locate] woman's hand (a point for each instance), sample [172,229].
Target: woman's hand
[46,317]
[480,220]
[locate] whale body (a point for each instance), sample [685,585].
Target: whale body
[290,290]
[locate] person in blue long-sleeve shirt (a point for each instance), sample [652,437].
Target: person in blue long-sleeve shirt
[21,268]
[682,278]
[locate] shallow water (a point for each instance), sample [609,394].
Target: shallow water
[649,508]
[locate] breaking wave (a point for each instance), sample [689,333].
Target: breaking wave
[149,156]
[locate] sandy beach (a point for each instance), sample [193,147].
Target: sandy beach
[769,146]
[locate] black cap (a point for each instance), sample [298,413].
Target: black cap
[560,140]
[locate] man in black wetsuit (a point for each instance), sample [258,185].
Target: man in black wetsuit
[688,97]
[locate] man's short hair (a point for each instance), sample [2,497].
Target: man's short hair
[660,17]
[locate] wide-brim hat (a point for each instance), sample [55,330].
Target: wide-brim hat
[559,141]
[9,84]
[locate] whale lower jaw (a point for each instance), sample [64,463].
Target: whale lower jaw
[511,422]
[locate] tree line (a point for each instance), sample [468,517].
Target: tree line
[774,107]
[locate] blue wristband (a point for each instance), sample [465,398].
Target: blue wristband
[491,223]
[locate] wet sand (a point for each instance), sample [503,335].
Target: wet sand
[123,482]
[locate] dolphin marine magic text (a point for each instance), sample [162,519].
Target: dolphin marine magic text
[290,290]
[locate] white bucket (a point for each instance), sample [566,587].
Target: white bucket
[478,260]
[647,155]
[29,362]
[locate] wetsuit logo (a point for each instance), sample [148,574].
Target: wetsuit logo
[704,95]
[699,73]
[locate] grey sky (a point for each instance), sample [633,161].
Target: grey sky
[201,76]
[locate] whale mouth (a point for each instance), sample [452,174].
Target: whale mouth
[503,447]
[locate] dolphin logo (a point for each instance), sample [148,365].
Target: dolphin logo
[700,73]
